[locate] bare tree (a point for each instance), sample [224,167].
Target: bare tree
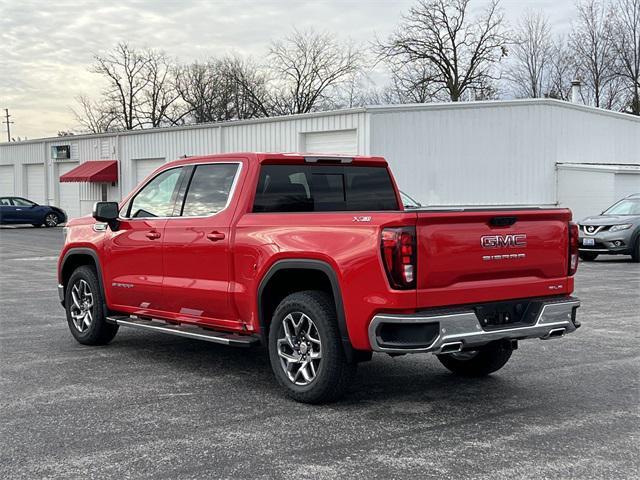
[462,50]
[198,85]
[562,70]
[94,117]
[305,66]
[247,88]
[531,56]
[412,82]
[124,69]
[592,42]
[160,93]
[223,89]
[627,47]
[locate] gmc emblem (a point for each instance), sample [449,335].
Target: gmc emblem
[504,241]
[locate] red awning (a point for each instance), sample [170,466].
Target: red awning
[95,171]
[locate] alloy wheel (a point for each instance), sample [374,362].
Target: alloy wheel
[51,220]
[299,348]
[82,306]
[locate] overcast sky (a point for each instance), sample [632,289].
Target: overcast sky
[47,46]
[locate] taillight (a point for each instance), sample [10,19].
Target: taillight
[398,247]
[573,248]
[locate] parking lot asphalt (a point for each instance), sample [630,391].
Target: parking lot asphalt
[156,406]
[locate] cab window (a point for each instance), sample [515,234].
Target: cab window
[209,189]
[156,199]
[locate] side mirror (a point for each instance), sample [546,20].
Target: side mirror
[107,212]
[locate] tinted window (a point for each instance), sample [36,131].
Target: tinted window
[157,197]
[21,202]
[322,188]
[209,189]
[5,202]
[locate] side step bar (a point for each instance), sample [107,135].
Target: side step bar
[187,331]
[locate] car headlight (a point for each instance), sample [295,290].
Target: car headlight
[617,228]
[65,232]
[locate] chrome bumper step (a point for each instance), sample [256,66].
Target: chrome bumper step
[462,330]
[187,331]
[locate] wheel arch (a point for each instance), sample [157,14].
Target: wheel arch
[77,257]
[320,275]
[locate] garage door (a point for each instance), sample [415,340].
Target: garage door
[144,167]
[35,183]
[340,141]
[7,182]
[68,192]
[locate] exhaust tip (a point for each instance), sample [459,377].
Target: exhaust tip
[451,347]
[556,333]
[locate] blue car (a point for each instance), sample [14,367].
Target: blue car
[15,210]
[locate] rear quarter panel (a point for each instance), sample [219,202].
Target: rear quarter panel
[350,247]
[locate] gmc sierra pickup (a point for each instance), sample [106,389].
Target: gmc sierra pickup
[316,258]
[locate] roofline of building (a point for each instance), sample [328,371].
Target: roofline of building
[366,109]
[601,167]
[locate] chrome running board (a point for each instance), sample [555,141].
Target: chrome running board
[187,331]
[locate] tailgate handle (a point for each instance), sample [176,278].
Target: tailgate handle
[502,221]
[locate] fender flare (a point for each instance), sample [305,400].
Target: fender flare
[309,264]
[75,251]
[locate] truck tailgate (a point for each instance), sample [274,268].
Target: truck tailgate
[488,255]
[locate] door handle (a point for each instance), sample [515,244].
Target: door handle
[152,235]
[215,236]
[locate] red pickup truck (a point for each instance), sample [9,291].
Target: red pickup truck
[316,258]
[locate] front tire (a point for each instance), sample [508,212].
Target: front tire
[635,254]
[478,363]
[305,350]
[588,256]
[84,305]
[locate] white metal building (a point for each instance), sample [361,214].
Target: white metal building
[524,152]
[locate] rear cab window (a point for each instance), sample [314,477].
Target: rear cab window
[324,188]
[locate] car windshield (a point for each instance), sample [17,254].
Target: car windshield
[625,207]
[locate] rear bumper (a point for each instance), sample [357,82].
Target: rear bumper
[461,329]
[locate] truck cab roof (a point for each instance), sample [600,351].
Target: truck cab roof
[288,158]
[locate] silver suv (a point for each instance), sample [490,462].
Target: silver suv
[616,231]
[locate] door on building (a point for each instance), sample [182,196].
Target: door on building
[34,176]
[68,193]
[199,234]
[344,142]
[135,267]
[7,180]
[143,167]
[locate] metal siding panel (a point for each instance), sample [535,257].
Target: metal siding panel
[7,180]
[466,156]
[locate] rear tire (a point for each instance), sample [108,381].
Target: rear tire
[487,359]
[588,256]
[84,305]
[51,220]
[305,349]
